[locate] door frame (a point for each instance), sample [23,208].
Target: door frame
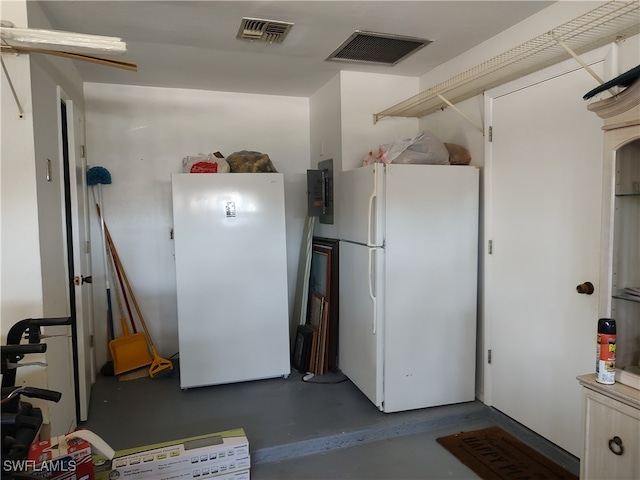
[82,320]
[595,56]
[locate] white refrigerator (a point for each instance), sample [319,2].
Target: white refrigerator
[231,277]
[408,283]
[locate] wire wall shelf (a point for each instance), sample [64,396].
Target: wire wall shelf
[605,24]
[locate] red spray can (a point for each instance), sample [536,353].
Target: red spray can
[606,351]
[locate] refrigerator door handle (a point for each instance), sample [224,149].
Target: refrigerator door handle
[373,298]
[372,197]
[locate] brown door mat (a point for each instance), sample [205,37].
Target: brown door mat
[494,454]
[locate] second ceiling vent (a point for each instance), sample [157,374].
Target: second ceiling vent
[377,48]
[262,30]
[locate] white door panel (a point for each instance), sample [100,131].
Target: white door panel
[431,249]
[361,328]
[545,191]
[60,351]
[230,244]
[361,201]
[82,266]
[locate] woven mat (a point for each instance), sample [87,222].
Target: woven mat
[494,454]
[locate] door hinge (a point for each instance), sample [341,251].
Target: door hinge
[489,356]
[490,247]
[90,341]
[87,247]
[83,151]
[490,134]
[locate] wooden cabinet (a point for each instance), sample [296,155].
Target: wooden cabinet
[611,413]
[620,259]
[611,443]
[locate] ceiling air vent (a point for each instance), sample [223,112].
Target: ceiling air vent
[258,29]
[377,48]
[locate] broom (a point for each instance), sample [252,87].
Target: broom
[160,367]
[98,176]
[129,352]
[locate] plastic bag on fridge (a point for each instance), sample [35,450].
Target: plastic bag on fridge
[424,148]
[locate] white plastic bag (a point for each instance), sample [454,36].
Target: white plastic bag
[424,148]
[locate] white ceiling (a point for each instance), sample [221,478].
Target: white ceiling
[187,44]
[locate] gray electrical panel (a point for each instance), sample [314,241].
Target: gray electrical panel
[320,192]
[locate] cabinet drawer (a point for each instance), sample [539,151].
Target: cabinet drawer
[606,419]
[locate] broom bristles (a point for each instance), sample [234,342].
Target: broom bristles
[98,176]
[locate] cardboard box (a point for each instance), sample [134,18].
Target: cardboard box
[190,475]
[240,475]
[243,475]
[204,456]
[61,457]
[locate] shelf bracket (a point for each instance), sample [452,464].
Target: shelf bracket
[460,112]
[13,90]
[580,61]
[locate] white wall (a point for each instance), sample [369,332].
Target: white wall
[21,283]
[140,135]
[362,95]
[325,125]
[342,125]
[21,274]
[326,139]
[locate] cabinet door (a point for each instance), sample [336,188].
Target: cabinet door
[620,267]
[606,419]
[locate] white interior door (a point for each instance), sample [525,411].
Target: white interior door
[77,352]
[82,265]
[544,186]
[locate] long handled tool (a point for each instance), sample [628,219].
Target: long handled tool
[129,352]
[159,364]
[124,294]
[96,177]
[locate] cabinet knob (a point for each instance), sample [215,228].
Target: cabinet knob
[615,445]
[585,288]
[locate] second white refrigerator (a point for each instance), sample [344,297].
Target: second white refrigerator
[231,277]
[408,283]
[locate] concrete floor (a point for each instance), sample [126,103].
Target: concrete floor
[300,430]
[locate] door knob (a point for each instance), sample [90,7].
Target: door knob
[586,288]
[82,279]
